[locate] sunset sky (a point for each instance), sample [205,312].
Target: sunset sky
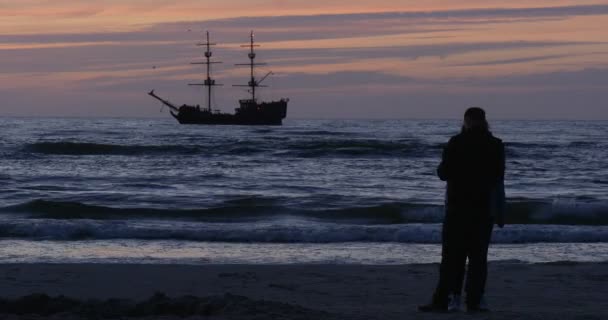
[521,59]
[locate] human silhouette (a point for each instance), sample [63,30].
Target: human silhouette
[473,164]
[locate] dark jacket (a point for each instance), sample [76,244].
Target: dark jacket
[473,164]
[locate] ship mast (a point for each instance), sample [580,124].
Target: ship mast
[209,82]
[253,83]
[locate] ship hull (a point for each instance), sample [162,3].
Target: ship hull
[249,113]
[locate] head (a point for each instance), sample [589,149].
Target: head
[475,120]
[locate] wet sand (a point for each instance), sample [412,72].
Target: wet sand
[515,291]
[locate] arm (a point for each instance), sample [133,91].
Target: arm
[443,168]
[501,155]
[500,188]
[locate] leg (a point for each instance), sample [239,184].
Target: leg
[459,271]
[453,259]
[478,241]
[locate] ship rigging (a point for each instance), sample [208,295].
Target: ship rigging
[250,110]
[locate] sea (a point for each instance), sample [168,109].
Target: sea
[76,190]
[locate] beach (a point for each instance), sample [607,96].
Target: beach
[516,290]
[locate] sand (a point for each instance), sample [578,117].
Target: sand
[515,291]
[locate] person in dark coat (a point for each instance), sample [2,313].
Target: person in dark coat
[473,164]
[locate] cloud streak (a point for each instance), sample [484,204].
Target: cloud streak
[514,60]
[368,24]
[400,59]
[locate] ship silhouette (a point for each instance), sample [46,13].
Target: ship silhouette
[250,112]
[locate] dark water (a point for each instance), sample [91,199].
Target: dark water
[304,182]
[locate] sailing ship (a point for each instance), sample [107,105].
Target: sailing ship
[250,112]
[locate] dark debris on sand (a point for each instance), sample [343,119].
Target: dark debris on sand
[159,306]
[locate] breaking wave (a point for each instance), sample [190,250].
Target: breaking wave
[241,210]
[279,232]
[260,209]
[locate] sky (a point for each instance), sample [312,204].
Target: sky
[518,59]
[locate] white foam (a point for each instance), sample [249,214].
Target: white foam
[285,231]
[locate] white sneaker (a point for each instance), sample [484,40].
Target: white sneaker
[453,303]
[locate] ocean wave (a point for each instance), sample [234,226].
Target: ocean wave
[238,210]
[532,145]
[560,212]
[280,232]
[536,145]
[85,148]
[359,147]
[319,133]
[583,144]
[279,147]
[75,210]
[524,212]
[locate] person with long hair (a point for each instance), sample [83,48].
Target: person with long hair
[473,165]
